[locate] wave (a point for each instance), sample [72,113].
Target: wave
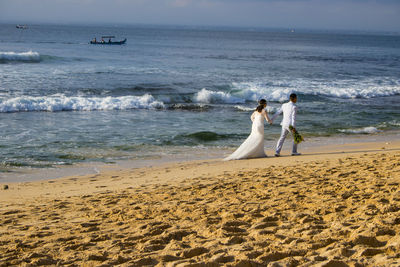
[269,109]
[213,97]
[244,108]
[394,123]
[389,124]
[280,91]
[242,93]
[108,69]
[33,57]
[365,130]
[30,56]
[63,103]
[241,96]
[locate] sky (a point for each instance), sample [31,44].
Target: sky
[365,15]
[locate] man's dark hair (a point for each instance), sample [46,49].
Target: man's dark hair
[293,96]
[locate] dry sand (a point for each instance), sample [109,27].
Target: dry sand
[337,206]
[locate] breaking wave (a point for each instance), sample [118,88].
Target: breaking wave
[244,108]
[280,91]
[30,56]
[365,130]
[63,103]
[213,97]
[269,109]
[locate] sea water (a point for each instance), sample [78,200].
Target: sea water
[180,90]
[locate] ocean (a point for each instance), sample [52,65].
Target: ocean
[174,90]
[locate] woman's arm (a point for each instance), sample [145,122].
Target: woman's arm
[266,117]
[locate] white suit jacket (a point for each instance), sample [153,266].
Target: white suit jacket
[289,114]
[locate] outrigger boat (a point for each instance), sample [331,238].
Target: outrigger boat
[21,27]
[108,42]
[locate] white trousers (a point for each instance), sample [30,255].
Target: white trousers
[279,145]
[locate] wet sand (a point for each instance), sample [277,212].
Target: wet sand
[334,206]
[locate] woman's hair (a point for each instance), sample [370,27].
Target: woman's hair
[261,104]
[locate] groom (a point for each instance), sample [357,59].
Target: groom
[289,119]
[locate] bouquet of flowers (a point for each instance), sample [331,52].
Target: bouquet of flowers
[296,136]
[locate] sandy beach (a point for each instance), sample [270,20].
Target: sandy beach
[334,206]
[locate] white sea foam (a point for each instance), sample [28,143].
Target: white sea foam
[207,96]
[394,123]
[269,109]
[254,91]
[243,108]
[389,124]
[63,103]
[19,57]
[365,130]
[359,91]
[280,91]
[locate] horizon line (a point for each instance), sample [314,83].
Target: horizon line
[166,25]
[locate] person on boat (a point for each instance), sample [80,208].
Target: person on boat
[109,40]
[102,40]
[94,40]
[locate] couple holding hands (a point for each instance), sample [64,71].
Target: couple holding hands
[253,146]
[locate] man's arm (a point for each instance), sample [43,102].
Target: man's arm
[266,116]
[276,114]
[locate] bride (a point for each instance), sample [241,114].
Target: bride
[253,146]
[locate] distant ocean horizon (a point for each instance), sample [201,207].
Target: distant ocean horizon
[171,89]
[320,30]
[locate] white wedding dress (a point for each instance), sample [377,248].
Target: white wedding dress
[253,146]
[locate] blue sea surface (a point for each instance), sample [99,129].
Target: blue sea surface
[170,89]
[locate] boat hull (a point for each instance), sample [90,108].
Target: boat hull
[109,43]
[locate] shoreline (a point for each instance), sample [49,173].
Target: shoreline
[188,155]
[116,177]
